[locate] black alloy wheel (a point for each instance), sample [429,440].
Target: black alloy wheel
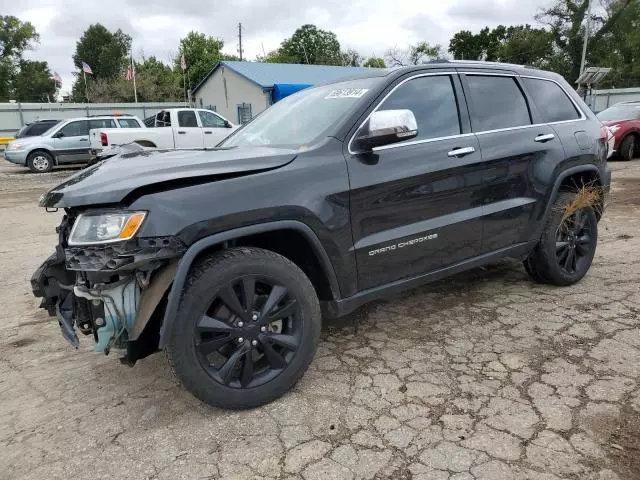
[248,326]
[575,243]
[250,332]
[567,245]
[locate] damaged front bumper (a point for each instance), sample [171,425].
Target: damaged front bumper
[109,291]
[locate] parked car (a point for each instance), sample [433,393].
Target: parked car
[333,197]
[174,128]
[33,129]
[623,120]
[66,142]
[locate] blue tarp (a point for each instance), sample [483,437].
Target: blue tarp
[281,90]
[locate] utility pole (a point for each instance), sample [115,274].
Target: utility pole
[586,37]
[240,40]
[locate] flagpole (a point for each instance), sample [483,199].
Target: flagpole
[133,72]
[184,86]
[86,90]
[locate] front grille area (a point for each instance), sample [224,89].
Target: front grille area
[122,256]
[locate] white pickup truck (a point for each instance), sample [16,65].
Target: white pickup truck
[173,128]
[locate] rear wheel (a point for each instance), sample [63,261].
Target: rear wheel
[567,246]
[40,162]
[249,326]
[628,148]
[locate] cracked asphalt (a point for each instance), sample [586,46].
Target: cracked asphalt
[483,376]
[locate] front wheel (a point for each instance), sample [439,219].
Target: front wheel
[567,246]
[248,327]
[40,162]
[628,148]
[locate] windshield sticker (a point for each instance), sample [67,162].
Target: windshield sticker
[347,93]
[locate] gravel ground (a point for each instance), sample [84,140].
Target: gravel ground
[483,376]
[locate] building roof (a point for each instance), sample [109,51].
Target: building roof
[266,75]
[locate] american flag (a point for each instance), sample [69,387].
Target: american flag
[86,68]
[183,63]
[56,78]
[131,72]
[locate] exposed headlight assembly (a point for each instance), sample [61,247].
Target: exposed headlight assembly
[106,227]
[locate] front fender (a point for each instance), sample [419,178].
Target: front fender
[175,294]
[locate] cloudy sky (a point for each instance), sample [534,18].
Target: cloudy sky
[156,26]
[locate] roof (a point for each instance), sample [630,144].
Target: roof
[266,75]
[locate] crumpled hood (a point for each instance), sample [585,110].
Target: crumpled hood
[112,180]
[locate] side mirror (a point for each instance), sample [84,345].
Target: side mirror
[57,135]
[386,127]
[227,124]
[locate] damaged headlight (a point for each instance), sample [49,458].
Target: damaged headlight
[106,227]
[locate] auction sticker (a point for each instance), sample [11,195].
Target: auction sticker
[347,93]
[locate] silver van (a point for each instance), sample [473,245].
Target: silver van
[66,142]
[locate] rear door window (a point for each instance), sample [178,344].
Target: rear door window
[551,101]
[163,119]
[39,128]
[101,123]
[128,123]
[498,103]
[187,118]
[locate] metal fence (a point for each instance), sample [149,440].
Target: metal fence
[600,100]
[14,115]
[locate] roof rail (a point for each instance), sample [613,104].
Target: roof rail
[110,115]
[481,62]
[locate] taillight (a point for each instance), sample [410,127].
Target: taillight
[604,134]
[103,140]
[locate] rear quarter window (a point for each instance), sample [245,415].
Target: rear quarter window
[39,128]
[551,101]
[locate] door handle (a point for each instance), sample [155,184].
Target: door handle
[181,132]
[208,132]
[461,152]
[544,138]
[84,139]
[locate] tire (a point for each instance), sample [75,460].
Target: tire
[533,273]
[628,148]
[566,248]
[253,356]
[40,161]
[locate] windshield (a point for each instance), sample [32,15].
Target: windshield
[626,112]
[303,118]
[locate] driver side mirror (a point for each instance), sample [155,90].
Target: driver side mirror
[386,127]
[58,135]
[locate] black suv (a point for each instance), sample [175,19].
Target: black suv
[335,196]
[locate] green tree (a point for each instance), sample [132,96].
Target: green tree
[104,51]
[15,37]
[33,82]
[374,62]
[201,53]
[417,54]
[619,48]
[520,44]
[608,33]
[312,45]
[276,56]
[351,58]
[155,82]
